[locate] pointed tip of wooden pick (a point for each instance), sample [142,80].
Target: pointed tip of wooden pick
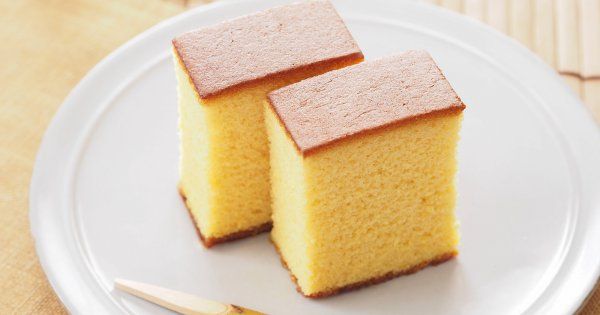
[118,282]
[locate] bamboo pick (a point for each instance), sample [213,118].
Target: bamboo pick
[179,302]
[567,42]
[475,8]
[454,5]
[543,31]
[589,14]
[497,14]
[520,21]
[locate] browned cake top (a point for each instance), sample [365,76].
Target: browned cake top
[264,44]
[363,97]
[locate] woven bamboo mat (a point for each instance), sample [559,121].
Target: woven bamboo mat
[49,45]
[564,33]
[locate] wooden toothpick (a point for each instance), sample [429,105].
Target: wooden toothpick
[180,302]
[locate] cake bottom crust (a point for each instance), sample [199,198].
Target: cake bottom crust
[209,242]
[365,283]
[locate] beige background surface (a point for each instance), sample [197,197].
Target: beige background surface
[48,46]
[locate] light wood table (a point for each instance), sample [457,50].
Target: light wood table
[48,46]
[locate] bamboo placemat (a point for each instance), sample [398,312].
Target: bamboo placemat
[564,33]
[49,45]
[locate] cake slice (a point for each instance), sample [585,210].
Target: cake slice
[362,169]
[224,73]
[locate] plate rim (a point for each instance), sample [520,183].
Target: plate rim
[38,205]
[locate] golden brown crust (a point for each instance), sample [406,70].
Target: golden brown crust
[209,242]
[260,46]
[367,132]
[332,64]
[363,98]
[365,283]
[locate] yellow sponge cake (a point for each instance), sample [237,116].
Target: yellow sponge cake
[362,169]
[224,73]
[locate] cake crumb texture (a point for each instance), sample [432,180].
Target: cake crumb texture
[224,73]
[376,280]
[212,241]
[224,153]
[368,208]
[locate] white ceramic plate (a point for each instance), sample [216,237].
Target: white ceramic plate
[104,202]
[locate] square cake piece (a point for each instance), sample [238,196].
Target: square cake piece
[224,73]
[362,168]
